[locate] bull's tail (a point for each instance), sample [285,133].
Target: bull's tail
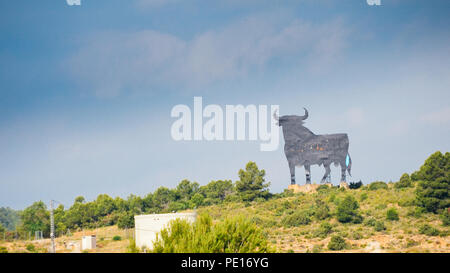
[348,163]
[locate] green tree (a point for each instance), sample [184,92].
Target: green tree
[434,183]
[125,220]
[36,218]
[104,205]
[347,210]
[186,189]
[251,184]
[60,215]
[196,200]
[162,197]
[2,229]
[9,218]
[216,191]
[404,182]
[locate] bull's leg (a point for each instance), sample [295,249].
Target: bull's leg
[292,170]
[327,173]
[343,170]
[308,174]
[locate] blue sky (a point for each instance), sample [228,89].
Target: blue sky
[86,91]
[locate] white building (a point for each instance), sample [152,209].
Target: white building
[88,242]
[147,226]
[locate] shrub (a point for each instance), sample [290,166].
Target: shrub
[392,214]
[370,222]
[411,243]
[355,185]
[132,248]
[232,235]
[337,243]
[428,230]
[31,247]
[357,236]
[323,188]
[347,211]
[3,249]
[363,197]
[317,249]
[378,185]
[445,216]
[296,219]
[117,238]
[406,202]
[416,212]
[321,210]
[324,229]
[379,226]
[404,182]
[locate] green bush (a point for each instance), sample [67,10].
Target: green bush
[347,211]
[323,188]
[30,247]
[324,229]
[3,249]
[132,248]
[296,219]
[378,185]
[117,238]
[392,214]
[379,226]
[321,210]
[445,216]
[317,249]
[417,212]
[370,222]
[363,196]
[428,230]
[404,182]
[337,243]
[232,235]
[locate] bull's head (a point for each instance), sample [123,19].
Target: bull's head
[291,119]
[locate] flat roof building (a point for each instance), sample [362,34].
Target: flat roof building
[147,226]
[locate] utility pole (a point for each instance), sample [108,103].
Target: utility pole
[52,228]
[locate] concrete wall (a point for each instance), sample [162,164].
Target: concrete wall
[146,226]
[88,242]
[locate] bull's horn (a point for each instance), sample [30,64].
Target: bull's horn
[275,115]
[306,114]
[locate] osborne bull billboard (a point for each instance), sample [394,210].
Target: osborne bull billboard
[304,148]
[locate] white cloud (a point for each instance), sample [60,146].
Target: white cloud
[112,62]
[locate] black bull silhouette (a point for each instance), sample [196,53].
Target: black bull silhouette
[303,148]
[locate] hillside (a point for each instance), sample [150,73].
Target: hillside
[402,235]
[411,215]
